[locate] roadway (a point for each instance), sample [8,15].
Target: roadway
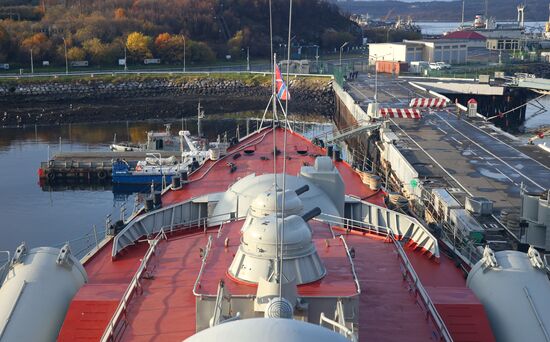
[233,68]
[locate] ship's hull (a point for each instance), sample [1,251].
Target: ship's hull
[140,178]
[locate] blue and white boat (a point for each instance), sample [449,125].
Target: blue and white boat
[158,170]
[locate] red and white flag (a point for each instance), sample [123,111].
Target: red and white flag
[282,90]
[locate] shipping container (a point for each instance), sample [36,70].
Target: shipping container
[391,67]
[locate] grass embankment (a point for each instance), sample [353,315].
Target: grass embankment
[253,79]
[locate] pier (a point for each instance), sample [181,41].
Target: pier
[469,157]
[92,166]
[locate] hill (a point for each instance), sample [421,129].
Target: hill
[536,10]
[99,30]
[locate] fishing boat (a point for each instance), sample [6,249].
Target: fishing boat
[156,141]
[157,170]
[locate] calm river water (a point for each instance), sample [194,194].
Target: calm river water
[46,216]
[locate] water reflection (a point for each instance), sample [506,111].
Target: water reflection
[52,214]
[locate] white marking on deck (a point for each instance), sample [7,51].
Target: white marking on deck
[458,141]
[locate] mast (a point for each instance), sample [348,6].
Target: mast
[286,127]
[200,116]
[462,22]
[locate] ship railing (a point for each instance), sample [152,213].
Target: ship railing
[4,267]
[110,332]
[408,269]
[164,233]
[335,325]
[82,246]
[203,257]
[350,257]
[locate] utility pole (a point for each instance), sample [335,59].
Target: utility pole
[66,58]
[125,59]
[32,64]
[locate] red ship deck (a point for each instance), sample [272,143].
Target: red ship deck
[338,281]
[216,176]
[164,308]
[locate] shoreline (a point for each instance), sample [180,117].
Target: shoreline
[109,100]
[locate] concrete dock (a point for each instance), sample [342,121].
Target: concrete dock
[467,155]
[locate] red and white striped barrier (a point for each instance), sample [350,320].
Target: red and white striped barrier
[428,103]
[400,113]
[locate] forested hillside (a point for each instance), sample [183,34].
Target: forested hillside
[100,30]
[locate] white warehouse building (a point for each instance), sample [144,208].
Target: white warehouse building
[450,51]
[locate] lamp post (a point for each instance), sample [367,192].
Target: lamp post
[376,75]
[184,52]
[342,49]
[66,58]
[317,57]
[247,58]
[125,59]
[32,64]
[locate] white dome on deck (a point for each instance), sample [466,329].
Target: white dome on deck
[267,330]
[267,203]
[257,253]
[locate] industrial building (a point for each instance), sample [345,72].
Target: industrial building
[452,51]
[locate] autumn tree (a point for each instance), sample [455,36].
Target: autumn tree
[200,52]
[139,45]
[120,13]
[239,41]
[171,48]
[99,52]
[76,54]
[4,44]
[40,45]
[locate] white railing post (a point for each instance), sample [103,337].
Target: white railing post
[95,236]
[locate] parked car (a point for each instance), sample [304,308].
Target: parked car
[439,66]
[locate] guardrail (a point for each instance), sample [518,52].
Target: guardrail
[110,331]
[408,268]
[204,257]
[343,329]
[153,72]
[5,267]
[350,258]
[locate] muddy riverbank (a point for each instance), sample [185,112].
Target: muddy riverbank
[61,101]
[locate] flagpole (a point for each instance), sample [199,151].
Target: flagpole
[274,103]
